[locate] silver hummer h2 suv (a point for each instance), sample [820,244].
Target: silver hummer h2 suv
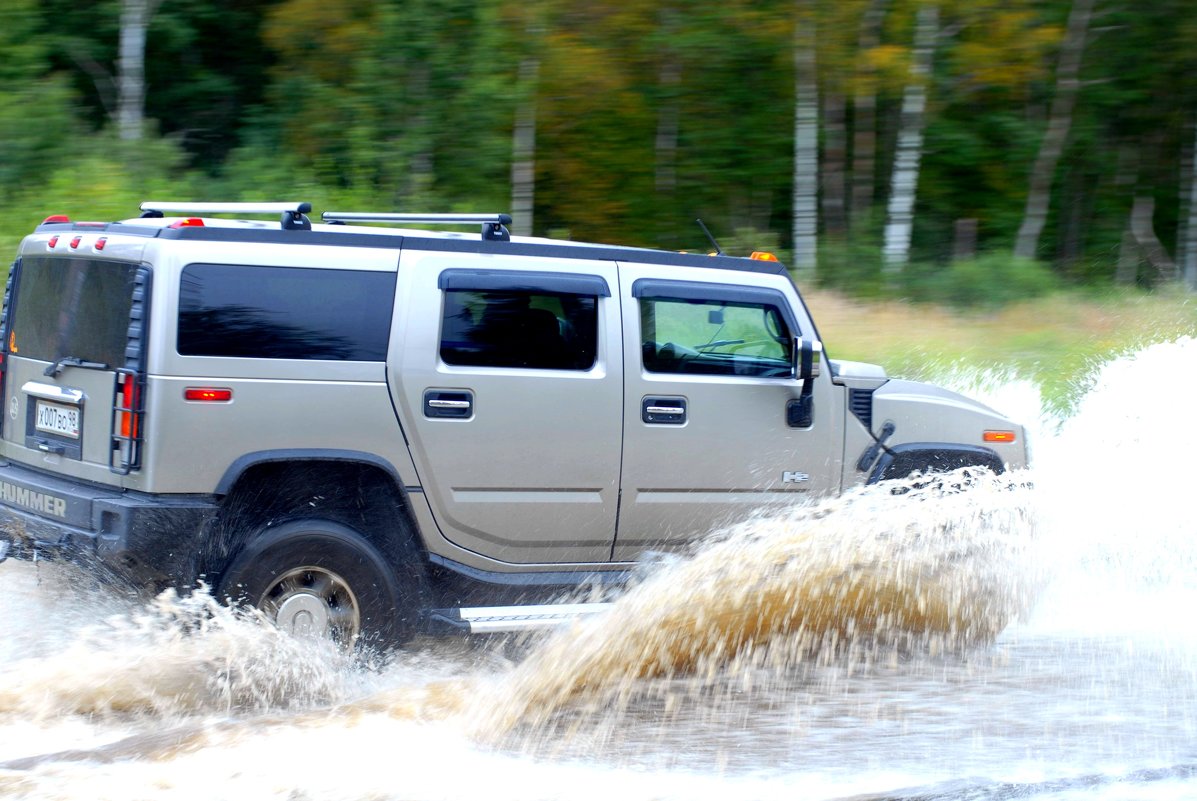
[370,430]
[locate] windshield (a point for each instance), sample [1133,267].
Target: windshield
[72,307]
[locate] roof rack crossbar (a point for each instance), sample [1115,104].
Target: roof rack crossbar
[427,219]
[227,208]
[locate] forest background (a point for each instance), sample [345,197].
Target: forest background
[967,152]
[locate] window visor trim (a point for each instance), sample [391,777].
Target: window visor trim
[525,280]
[662,289]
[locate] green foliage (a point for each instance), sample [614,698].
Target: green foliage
[989,281]
[647,116]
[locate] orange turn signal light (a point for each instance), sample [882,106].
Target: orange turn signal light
[998,436]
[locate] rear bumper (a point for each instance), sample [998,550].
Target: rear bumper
[146,539]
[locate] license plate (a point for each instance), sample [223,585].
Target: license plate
[55,418]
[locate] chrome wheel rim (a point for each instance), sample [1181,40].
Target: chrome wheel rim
[313,602]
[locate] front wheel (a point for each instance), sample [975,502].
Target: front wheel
[321,579]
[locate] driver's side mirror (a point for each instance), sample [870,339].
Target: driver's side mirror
[808,358]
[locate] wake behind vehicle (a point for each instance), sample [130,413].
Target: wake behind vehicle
[368,430]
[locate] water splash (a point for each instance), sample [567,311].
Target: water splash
[939,566]
[841,650]
[176,656]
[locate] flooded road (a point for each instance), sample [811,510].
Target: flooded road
[990,643]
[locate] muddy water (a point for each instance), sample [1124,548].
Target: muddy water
[984,642]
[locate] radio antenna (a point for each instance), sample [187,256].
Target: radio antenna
[705,230]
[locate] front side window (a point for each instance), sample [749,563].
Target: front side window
[284,312]
[526,328]
[715,337]
[72,307]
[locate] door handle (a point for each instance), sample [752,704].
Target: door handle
[663,411]
[453,404]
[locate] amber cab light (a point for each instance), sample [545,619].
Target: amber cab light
[998,436]
[190,222]
[208,394]
[762,255]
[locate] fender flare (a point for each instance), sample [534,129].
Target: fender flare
[244,462]
[902,460]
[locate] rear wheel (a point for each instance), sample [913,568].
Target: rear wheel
[322,579]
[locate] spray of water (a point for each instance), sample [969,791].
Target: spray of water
[936,572]
[899,566]
[179,655]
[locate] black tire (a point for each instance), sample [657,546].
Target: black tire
[320,577]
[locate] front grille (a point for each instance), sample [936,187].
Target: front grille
[860,402]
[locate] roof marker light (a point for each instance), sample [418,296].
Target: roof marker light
[56,218]
[53,241]
[75,241]
[762,255]
[189,222]
[998,436]
[101,242]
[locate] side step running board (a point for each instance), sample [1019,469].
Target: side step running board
[498,619]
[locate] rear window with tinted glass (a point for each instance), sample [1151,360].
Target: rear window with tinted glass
[284,312]
[72,307]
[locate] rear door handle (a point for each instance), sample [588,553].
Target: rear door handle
[454,404]
[663,411]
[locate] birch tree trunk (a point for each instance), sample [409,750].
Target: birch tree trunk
[1059,121]
[1143,227]
[900,214]
[864,119]
[130,67]
[669,115]
[806,147]
[834,156]
[523,149]
[1190,230]
[1182,201]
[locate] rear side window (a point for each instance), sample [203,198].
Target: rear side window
[72,307]
[519,328]
[284,312]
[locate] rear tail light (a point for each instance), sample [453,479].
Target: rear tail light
[128,407]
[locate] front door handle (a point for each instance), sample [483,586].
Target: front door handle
[663,411]
[454,404]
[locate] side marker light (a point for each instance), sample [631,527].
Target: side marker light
[208,394]
[998,436]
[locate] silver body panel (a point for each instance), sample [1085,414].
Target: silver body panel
[551,470]
[729,460]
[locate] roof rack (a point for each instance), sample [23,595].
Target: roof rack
[292,214]
[493,225]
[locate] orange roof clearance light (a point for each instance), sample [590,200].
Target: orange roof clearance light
[188,222]
[998,436]
[762,255]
